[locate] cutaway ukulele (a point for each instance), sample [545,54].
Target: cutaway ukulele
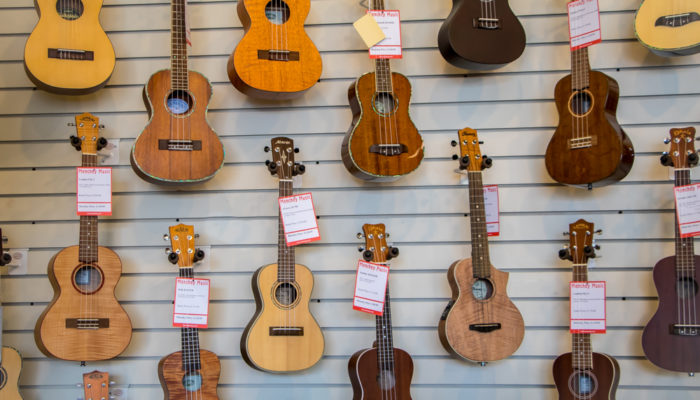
[11,360]
[669,27]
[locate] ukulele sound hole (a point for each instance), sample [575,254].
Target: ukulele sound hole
[384,103]
[69,9]
[686,287]
[581,103]
[277,11]
[286,294]
[192,381]
[179,102]
[87,279]
[482,289]
[583,384]
[386,380]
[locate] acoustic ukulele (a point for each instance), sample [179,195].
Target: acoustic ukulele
[669,27]
[481,35]
[10,359]
[96,385]
[177,146]
[191,373]
[84,321]
[382,143]
[383,371]
[282,336]
[275,59]
[671,339]
[480,322]
[583,374]
[68,52]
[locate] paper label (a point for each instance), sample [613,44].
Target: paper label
[369,30]
[491,210]
[390,22]
[299,219]
[584,23]
[18,265]
[370,287]
[94,189]
[688,209]
[587,307]
[191,308]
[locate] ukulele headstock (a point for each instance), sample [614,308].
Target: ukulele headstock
[470,157]
[87,140]
[376,248]
[282,163]
[681,153]
[96,385]
[183,252]
[581,243]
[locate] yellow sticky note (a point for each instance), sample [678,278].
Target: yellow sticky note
[369,30]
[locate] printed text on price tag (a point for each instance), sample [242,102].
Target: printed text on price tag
[584,23]
[191,309]
[587,307]
[390,22]
[370,287]
[688,209]
[299,219]
[94,189]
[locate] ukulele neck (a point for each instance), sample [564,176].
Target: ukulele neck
[285,254]
[189,336]
[179,79]
[581,353]
[385,339]
[481,262]
[580,69]
[382,66]
[87,248]
[685,251]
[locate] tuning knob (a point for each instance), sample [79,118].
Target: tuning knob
[296,149]
[198,255]
[589,251]
[360,249]
[5,259]
[565,254]
[453,143]
[272,167]
[299,169]
[464,162]
[266,149]
[173,257]
[486,162]
[75,142]
[367,255]
[693,159]
[101,143]
[455,156]
[392,253]
[666,160]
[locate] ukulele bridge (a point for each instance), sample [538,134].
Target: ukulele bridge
[278,55]
[388,149]
[583,142]
[286,331]
[485,328]
[68,54]
[685,329]
[677,20]
[487,23]
[87,323]
[179,145]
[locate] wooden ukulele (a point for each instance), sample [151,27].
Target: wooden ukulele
[10,359]
[671,339]
[589,147]
[480,323]
[583,374]
[382,143]
[481,35]
[96,385]
[669,27]
[68,52]
[177,146]
[383,371]
[283,336]
[191,373]
[275,59]
[84,321]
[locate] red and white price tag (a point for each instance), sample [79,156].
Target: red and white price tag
[584,23]
[688,209]
[587,307]
[390,22]
[491,210]
[370,287]
[191,309]
[94,189]
[299,219]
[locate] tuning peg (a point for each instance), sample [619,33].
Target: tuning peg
[453,143]
[565,233]
[464,162]
[198,255]
[481,142]
[360,249]
[166,237]
[392,253]
[4,239]
[692,159]
[360,235]
[296,149]
[299,169]
[272,167]
[455,156]
[196,235]
[667,140]
[173,257]
[367,255]
[596,246]
[266,149]
[565,254]
[101,143]
[101,126]
[486,162]
[589,251]
[666,160]
[598,232]
[75,142]
[168,251]
[388,235]
[5,259]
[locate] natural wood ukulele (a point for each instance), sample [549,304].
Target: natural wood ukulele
[669,27]
[480,323]
[671,339]
[10,359]
[84,321]
[191,373]
[283,336]
[383,371]
[275,59]
[96,385]
[177,146]
[68,52]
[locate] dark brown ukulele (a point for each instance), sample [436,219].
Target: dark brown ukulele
[583,374]
[383,371]
[671,339]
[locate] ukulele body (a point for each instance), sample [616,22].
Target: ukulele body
[606,373]
[368,128]
[465,310]
[154,162]
[51,333]
[681,37]
[464,44]
[365,377]
[258,70]
[672,352]
[11,368]
[282,353]
[593,148]
[172,376]
[47,64]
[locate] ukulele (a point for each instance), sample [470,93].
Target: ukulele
[382,143]
[177,146]
[588,147]
[583,374]
[191,373]
[671,339]
[481,35]
[669,27]
[84,321]
[96,385]
[68,52]
[480,322]
[10,359]
[275,59]
[383,371]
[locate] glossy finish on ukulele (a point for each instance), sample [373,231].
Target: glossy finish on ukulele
[9,374]
[669,27]
[481,35]
[599,383]
[203,382]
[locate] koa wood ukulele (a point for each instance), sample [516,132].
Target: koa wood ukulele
[96,385]
[283,336]
[68,52]
[382,371]
[669,27]
[481,34]
[583,374]
[84,321]
[382,143]
[177,146]
[480,323]
[191,373]
[275,59]
[10,359]
[671,339]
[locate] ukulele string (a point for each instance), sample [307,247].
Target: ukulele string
[391,103]
[378,99]
[380,320]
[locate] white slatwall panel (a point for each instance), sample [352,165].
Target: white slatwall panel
[235,212]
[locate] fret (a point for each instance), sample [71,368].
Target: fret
[385,339]
[87,241]
[685,250]
[382,76]
[581,352]
[580,69]
[481,262]
[285,254]
[179,78]
[189,337]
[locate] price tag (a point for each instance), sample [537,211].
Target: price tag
[584,23]
[587,307]
[390,22]
[688,209]
[299,219]
[94,188]
[370,287]
[491,210]
[369,30]
[191,309]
